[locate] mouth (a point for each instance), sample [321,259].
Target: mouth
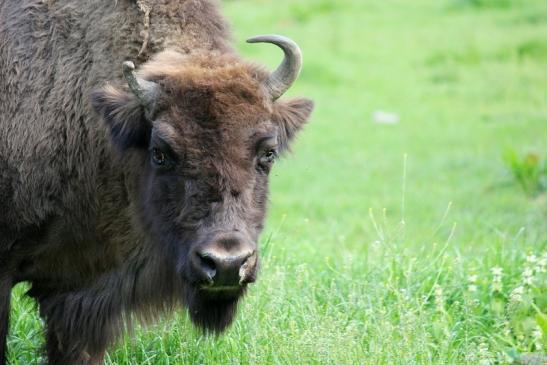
[210,288]
[210,292]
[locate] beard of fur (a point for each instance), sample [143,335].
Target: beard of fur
[212,314]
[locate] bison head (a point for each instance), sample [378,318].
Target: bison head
[205,130]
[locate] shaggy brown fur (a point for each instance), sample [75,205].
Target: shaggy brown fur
[86,216]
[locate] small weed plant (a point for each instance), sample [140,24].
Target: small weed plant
[528,170]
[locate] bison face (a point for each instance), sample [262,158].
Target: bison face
[205,131]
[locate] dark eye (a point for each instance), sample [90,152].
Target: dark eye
[158,157]
[268,157]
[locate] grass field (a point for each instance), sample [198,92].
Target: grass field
[405,243]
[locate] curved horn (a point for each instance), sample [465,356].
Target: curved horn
[145,91]
[284,76]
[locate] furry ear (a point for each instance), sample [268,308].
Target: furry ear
[124,117]
[291,116]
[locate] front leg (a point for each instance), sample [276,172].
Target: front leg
[97,359]
[77,332]
[62,350]
[82,323]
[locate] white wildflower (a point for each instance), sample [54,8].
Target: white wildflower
[528,276]
[472,278]
[483,349]
[472,355]
[537,336]
[497,271]
[516,294]
[505,358]
[439,301]
[531,258]
[484,355]
[472,288]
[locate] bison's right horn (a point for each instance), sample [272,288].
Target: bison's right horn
[145,91]
[281,79]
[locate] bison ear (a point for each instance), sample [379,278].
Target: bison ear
[123,116]
[291,116]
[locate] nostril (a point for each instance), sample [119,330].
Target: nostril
[207,266]
[208,263]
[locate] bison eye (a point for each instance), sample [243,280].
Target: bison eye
[268,158]
[158,157]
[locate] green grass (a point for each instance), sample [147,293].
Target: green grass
[381,238]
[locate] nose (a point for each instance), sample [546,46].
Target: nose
[228,260]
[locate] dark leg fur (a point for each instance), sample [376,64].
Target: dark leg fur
[5,297]
[60,351]
[97,359]
[56,353]
[77,332]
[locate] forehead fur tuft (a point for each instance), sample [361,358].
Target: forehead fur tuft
[210,85]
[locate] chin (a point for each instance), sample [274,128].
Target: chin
[213,310]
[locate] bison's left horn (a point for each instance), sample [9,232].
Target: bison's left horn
[281,79]
[145,91]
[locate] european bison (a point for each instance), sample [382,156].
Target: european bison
[122,196]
